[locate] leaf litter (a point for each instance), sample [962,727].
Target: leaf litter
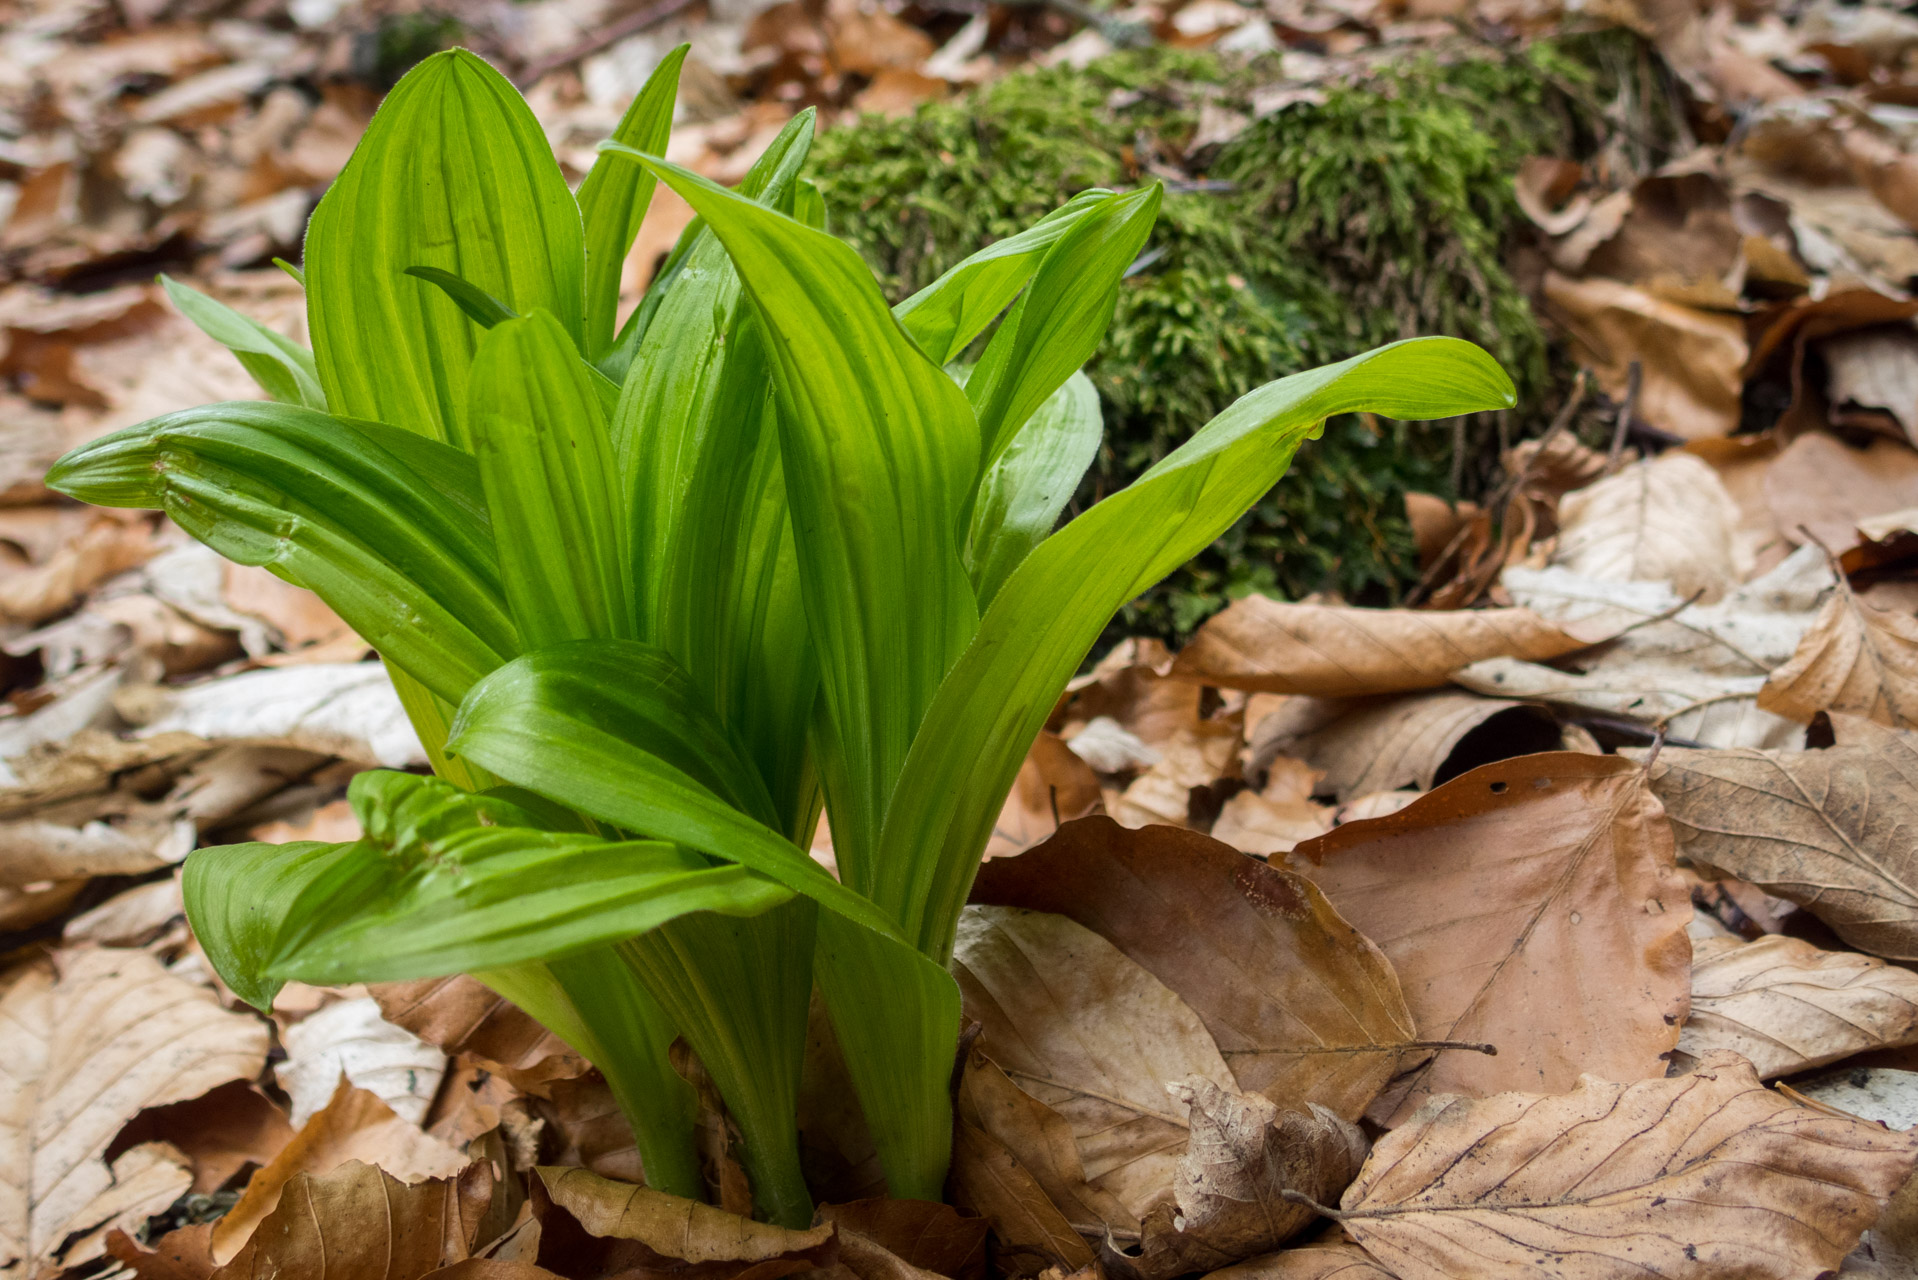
[1349,940]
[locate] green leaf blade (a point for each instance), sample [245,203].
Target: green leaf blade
[1024,491]
[283,368]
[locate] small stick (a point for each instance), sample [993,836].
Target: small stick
[631,24]
[1633,380]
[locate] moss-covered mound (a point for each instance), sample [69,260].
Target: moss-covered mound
[1326,227]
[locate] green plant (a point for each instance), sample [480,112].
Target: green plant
[651,597]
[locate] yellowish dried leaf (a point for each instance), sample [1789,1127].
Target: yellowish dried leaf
[1856,659]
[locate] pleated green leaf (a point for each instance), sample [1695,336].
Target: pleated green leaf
[481,307]
[546,722]
[956,308]
[453,173]
[539,430]
[878,448]
[393,538]
[444,882]
[1061,319]
[283,368]
[1053,606]
[614,197]
[1023,492]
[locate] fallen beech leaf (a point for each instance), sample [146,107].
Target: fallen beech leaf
[1823,485]
[1382,744]
[1334,1259]
[1829,830]
[219,1132]
[1855,659]
[354,1126]
[935,1237]
[1302,1007]
[587,1118]
[1338,651]
[1532,905]
[1031,1232]
[86,1050]
[178,1255]
[1244,1155]
[672,1227]
[129,918]
[1278,816]
[345,709]
[1710,1174]
[358,1220]
[1786,1005]
[349,1038]
[461,1015]
[1089,1033]
[1665,520]
[1883,1094]
[1054,785]
[107,547]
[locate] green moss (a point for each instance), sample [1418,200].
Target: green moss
[1323,229]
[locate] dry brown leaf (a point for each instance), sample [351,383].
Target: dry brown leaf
[1855,659]
[349,1038]
[1245,1153]
[1368,745]
[1277,817]
[591,1127]
[1054,785]
[1302,1007]
[107,547]
[1665,520]
[1337,651]
[112,1034]
[354,1126]
[1827,487]
[933,1237]
[1333,1259]
[673,1227]
[1031,1231]
[359,1222]
[1705,1175]
[463,1016]
[1829,830]
[1787,1006]
[1091,1034]
[1533,905]
[220,1132]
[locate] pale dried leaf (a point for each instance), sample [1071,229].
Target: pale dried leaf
[1710,1174]
[1823,486]
[349,1038]
[342,709]
[1338,651]
[1092,1035]
[1787,1006]
[87,1050]
[1856,659]
[1665,520]
[1829,830]
[669,1225]
[1302,1007]
[1332,1259]
[1532,905]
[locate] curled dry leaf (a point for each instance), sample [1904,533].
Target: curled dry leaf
[462,1015]
[1091,1034]
[1705,1175]
[677,1229]
[1532,905]
[354,1126]
[350,1039]
[1278,816]
[1787,1005]
[1338,651]
[90,1041]
[932,1237]
[1302,1006]
[1856,659]
[219,1132]
[1665,520]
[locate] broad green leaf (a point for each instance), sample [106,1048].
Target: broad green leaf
[878,447]
[445,882]
[614,197]
[321,502]
[1059,321]
[1053,606]
[896,1015]
[739,991]
[950,312]
[1025,490]
[453,173]
[538,726]
[481,307]
[241,931]
[283,368]
[539,429]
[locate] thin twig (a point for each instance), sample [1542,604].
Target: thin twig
[1633,379]
[630,25]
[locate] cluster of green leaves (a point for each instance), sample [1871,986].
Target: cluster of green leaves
[655,592]
[1382,211]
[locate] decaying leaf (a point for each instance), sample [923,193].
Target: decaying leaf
[932,1237]
[1704,1175]
[1532,905]
[1303,1008]
[1090,1034]
[674,1228]
[344,709]
[1031,1230]
[1279,815]
[1787,1005]
[219,1133]
[1829,830]
[1054,785]
[91,1040]
[1336,1258]
[350,1039]
[463,1016]
[1337,651]
[1856,659]
[1665,520]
